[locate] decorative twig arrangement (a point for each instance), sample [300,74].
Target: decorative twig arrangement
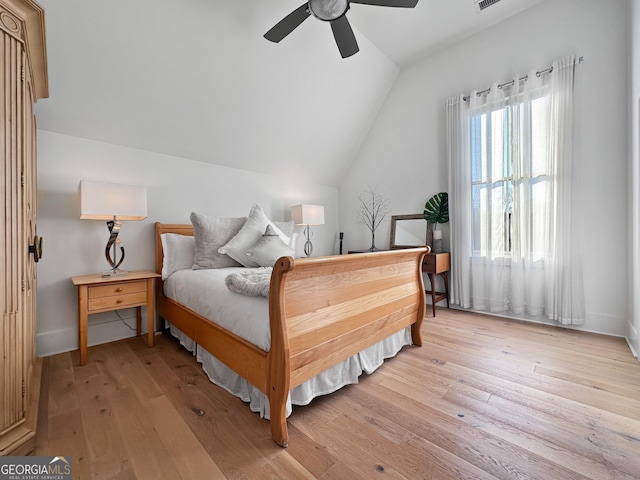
[373,209]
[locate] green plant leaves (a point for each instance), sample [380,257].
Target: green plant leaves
[436,210]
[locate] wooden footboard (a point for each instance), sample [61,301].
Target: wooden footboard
[321,310]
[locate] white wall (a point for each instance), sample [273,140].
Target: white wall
[404,154]
[633,333]
[175,187]
[199,81]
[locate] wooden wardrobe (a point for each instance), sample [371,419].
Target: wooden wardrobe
[23,81]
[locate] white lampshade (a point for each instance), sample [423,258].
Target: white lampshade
[108,201]
[307,214]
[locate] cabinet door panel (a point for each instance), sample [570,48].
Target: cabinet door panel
[22,46]
[12,365]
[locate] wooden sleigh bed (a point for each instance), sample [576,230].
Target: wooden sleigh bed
[322,310]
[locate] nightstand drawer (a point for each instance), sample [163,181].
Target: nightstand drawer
[117,295]
[430,261]
[117,301]
[436,263]
[117,289]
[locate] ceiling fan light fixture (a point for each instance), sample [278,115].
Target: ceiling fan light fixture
[334,12]
[328,10]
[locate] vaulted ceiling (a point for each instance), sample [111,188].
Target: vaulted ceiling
[196,79]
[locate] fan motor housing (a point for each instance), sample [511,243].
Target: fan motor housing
[328,10]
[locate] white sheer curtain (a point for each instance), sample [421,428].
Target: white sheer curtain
[511,197]
[458,153]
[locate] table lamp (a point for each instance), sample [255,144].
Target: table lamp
[113,203]
[307,215]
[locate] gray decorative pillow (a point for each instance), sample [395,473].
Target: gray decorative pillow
[210,233]
[248,235]
[269,248]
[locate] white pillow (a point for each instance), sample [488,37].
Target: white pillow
[248,235]
[294,239]
[269,248]
[286,227]
[211,233]
[178,253]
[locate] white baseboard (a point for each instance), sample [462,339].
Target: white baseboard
[633,351]
[594,323]
[633,333]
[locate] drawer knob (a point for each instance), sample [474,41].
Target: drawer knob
[119,289]
[119,300]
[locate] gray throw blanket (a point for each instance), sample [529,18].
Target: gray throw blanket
[253,283]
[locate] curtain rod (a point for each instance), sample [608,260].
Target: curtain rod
[521,79]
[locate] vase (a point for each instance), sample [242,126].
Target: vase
[437,241]
[373,242]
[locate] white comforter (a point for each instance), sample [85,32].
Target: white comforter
[205,292]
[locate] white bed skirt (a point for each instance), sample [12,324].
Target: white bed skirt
[344,373]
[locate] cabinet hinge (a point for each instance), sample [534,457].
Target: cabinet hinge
[24,284]
[22,179]
[22,73]
[24,389]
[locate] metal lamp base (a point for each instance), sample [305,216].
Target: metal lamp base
[114,243]
[114,273]
[308,246]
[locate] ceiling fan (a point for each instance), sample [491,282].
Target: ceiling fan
[333,11]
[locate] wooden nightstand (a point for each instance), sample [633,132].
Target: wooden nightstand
[437,264]
[104,294]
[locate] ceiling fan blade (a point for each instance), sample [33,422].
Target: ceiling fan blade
[345,39]
[388,3]
[288,24]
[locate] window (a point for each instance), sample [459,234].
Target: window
[511,168]
[510,180]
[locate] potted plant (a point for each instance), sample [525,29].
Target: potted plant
[436,211]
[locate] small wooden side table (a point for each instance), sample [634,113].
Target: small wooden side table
[437,264]
[98,294]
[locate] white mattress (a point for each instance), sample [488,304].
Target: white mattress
[205,292]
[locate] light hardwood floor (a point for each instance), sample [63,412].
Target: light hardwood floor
[483,398]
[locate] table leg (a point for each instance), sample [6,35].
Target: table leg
[83,315]
[138,321]
[432,279]
[151,326]
[445,277]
